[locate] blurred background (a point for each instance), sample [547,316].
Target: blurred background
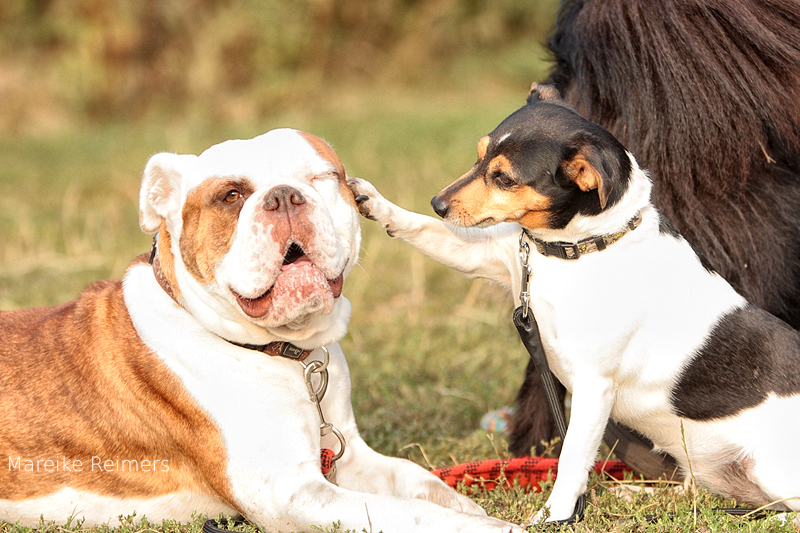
[241,60]
[402,89]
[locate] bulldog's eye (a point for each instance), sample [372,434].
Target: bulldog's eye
[232,196]
[330,175]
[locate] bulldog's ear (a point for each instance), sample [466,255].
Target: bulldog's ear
[161,188]
[587,171]
[543,92]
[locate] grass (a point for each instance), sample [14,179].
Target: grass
[429,350]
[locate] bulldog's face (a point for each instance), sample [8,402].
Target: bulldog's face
[256,236]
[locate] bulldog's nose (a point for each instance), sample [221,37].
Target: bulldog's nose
[440,206]
[283,198]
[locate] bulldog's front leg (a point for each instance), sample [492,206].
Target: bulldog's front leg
[368,471]
[302,503]
[592,400]
[488,253]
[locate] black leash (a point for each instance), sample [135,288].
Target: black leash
[529,333]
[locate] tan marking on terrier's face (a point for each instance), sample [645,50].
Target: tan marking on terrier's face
[492,195]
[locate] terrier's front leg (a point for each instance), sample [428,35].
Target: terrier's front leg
[489,253]
[592,401]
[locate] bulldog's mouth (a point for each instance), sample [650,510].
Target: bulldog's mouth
[300,283]
[293,254]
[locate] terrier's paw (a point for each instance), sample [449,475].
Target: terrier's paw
[371,204]
[553,513]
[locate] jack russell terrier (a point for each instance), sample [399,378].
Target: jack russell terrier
[197,383]
[632,321]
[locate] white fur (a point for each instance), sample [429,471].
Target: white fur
[617,327]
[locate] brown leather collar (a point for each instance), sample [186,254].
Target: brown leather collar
[277,348]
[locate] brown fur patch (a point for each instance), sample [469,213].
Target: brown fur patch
[732,481]
[543,92]
[324,150]
[586,177]
[582,173]
[535,219]
[209,224]
[79,383]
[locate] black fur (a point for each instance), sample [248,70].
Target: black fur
[706,94]
[747,355]
[531,399]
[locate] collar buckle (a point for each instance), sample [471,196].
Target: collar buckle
[562,250]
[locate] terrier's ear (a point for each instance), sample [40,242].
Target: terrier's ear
[543,92]
[160,194]
[587,171]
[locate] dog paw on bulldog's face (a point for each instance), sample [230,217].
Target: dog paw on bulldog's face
[261,234]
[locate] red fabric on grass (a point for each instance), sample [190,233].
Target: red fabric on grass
[527,471]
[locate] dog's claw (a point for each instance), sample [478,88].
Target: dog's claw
[370,203]
[362,208]
[361,198]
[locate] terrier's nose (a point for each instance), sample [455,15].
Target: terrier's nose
[440,206]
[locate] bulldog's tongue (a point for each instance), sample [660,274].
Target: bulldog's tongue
[296,263]
[301,288]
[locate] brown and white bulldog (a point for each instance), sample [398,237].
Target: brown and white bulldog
[157,394]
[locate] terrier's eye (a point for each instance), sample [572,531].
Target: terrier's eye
[503,180]
[232,196]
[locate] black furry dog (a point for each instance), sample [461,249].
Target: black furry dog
[706,93]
